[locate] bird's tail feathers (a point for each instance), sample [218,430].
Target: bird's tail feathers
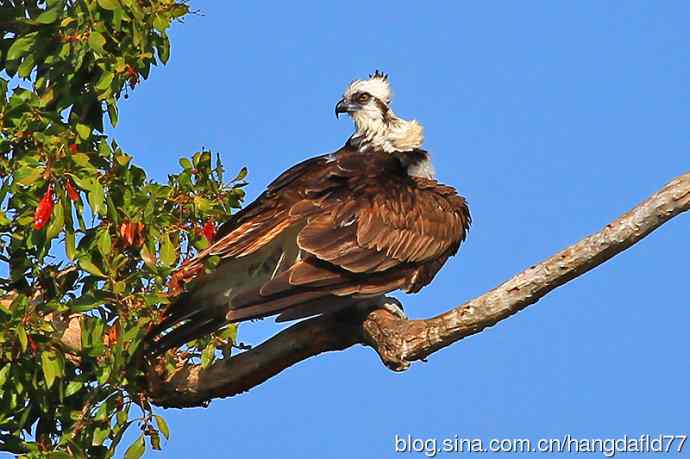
[190,322]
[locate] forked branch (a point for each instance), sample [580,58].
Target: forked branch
[400,342]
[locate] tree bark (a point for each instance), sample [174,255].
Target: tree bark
[400,342]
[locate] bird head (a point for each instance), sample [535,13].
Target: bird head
[366,99]
[368,103]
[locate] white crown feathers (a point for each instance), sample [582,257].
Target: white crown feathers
[377,85]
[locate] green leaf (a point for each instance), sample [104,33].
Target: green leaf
[123,160]
[163,49]
[201,243]
[179,10]
[104,81]
[160,23]
[104,243]
[57,222]
[27,175]
[148,257]
[92,335]
[52,367]
[202,159]
[202,204]
[211,262]
[229,333]
[162,426]
[96,41]
[136,449]
[155,298]
[21,46]
[186,164]
[59,455]
[109,4]
[83,160]
[168,251]
[88,301]
[73,387]
[4,221]
[85,183]
[104,374]
[97,198]
[155,440]
[207,354]
[4,373]
[25,68]
[83,130]
[21,336]
[123,416]
[48,17]
[99,435]
[47,97]
[70,243]
[102,413]
[242,174]
[88,266]
[112,113]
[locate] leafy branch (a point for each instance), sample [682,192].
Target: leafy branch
[87,240]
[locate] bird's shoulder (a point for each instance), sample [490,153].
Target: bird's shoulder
[346,162]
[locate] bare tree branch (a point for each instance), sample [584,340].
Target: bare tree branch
[400,342]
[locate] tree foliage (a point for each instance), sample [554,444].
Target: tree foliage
[87,241]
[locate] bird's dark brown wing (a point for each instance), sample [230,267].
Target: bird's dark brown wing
[368,229]
[363,228]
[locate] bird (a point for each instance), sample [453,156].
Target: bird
[335,231]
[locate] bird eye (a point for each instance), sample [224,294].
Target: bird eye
[363,98]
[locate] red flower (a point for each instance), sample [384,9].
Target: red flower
[112,335]
[44,209]
[73,148]
[71,192]
[132,233]
[32,345]
[210,230]
[132,76]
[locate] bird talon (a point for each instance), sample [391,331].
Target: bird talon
[394,306]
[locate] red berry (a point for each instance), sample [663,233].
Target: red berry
[73,148]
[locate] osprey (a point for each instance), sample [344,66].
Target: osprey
[332,232]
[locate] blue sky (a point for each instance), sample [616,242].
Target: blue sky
[552,118]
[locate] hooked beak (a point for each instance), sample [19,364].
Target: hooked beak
[341,107]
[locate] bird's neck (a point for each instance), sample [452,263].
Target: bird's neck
[401,138]
[386,132]
[416,163]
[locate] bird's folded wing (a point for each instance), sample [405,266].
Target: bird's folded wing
[363,228]
[388,237]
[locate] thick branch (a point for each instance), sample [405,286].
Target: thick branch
[193,386]
[13,26]
[399,342]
